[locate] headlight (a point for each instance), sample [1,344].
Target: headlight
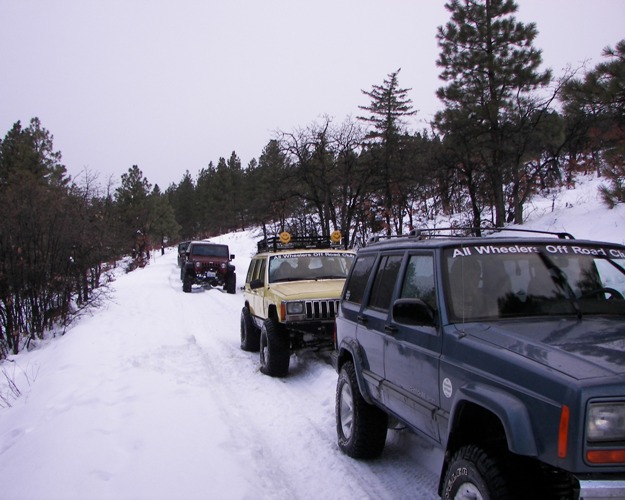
[295,308]
[606,422]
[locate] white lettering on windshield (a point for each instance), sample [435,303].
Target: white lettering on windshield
[589,251]
[492,249]
[312,254]
[461,252]
[617,254]
[527,249]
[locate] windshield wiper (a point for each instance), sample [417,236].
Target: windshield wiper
[559,278]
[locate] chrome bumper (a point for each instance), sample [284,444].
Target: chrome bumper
[601,489]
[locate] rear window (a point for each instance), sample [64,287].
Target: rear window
[210,251]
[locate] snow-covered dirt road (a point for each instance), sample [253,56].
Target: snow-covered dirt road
[152,398]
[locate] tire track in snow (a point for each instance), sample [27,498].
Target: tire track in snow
[271,421]
[257,429]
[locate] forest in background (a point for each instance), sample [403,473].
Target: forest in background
[506,132]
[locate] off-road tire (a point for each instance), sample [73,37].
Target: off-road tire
[231,283]
[361,428]
[187,282]
[250,334]
[477,473]
[274,349]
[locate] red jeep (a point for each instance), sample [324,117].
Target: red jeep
[208,264]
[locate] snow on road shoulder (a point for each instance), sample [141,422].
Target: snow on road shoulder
[120,407]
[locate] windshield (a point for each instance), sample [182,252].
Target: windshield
[309,266]
[504,280]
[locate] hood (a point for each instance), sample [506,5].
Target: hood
[309,289]
[582,349]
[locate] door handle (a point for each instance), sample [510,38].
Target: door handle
[362,320]
[390,328]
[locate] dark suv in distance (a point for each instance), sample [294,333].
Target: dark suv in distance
[507,352]
[208,264]
[182,250]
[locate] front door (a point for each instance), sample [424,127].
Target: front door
[412,351]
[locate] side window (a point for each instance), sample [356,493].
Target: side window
[384,283]
[259,274]
[250,270]
[255,270]
[355,287]
[419,280]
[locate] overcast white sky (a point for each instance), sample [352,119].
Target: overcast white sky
[172,85]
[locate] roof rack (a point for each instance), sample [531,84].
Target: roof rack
[425,233]
[287,242]
[561,235]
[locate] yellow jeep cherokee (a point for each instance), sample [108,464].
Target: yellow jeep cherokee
[292,291]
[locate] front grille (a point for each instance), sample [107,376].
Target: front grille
[321,309]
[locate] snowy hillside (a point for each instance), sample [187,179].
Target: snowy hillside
[578,211]
[152,398]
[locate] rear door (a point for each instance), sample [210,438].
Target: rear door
[374,317]
[255,295]
[353,297]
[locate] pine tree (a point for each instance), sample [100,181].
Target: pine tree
[183,199]
[596,106]
[163,222]
[269,185]
[491,68]
[134,210]
[37,236]
[389,105]
[29,151]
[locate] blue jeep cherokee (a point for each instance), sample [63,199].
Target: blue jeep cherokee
[508,352]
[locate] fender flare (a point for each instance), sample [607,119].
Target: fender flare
[350,349]
[510,410]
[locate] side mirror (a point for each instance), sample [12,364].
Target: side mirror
[413,312]
[232,257]
[255,284]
